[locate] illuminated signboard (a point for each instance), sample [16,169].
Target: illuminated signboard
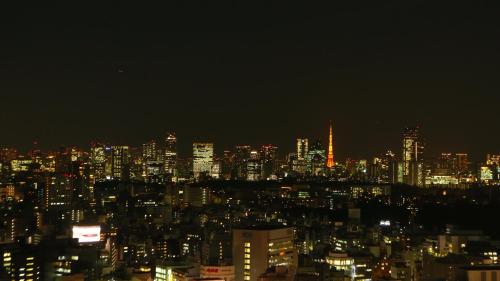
[87,234]
[225,273]
[385,223]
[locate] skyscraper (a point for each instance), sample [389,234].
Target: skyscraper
[302,148]
[151,167]
[254,166]
[316,159]
[203,158]
[268,155]
[331,159]
[98,162]
[149,151]
[413,164]
[492,159]
[120,167]
[227,164]
[170,159]
[299,164]
[462,162]
[241,157]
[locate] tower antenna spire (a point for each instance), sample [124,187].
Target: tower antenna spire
[331,159]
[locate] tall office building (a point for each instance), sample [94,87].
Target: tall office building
[241,157]
[302,148]
[259,248]
[462,162]
[58,192]
[120,163]
[316,158]
[203,158]
[216,172]
[227,164]
[451,164]
[391,167]
[413,164]
[151,166]
[446,162]
[254,167]
[6,156]
[331,158]
[98,162]
[170,157]
[299,160]
[493,159]
[268,154]
[149,151]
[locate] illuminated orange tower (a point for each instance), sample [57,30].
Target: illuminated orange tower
[331,160]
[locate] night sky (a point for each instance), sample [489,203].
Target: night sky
[253,73]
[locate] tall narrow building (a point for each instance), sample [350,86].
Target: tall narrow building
[241,157]
[331,159]
[302,148]
[268,155]
[170,157]
[299,162]
[120,162]
[413,164]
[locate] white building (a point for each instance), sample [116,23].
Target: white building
[259,248]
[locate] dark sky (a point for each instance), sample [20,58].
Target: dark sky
[253,73]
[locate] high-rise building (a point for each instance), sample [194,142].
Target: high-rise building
[485,174]
[58,192]
[268,154]
[254,167]
[216,172]
[258,248]
[450,165]
[493,159]
[413,164]
[299,161]
[331,158]
[316,158]
[241,157]
[98,161]
[227,164]
[170,157]
[120,166]
[203,158]
[302,148]
[391,168]
[493,163]
[149,151]
[151,166]
[462,162]
[6,156]
[446,161]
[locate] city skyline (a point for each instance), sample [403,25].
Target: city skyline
[130,74]
[184,146]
